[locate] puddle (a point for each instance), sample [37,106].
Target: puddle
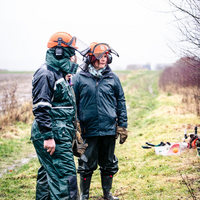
[19,163]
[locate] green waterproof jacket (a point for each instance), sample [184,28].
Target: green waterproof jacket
[100,103]
[53,101]
[53,105]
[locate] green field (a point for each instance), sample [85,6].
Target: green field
[153,116]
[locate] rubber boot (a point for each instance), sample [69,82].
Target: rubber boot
[106,182]
[84,187]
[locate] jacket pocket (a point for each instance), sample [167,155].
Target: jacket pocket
[58,134]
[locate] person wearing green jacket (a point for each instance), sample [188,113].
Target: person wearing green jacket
[53,128]
[102,116]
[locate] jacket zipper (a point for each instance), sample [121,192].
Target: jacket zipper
[97,99]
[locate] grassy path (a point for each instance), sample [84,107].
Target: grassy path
[153,117]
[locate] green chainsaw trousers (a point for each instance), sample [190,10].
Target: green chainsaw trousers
[56,178]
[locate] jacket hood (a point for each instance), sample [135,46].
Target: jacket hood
[64,64]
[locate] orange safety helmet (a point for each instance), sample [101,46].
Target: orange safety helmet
[67,39]
[98,48]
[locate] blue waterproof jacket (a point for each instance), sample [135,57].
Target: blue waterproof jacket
[100,103]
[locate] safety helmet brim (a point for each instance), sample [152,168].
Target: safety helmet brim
[100,49]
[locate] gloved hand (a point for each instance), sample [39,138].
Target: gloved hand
[122,131]
[78,137]
[78,133]
[78,146]
[78,127]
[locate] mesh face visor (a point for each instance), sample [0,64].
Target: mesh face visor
[76,44]
[100,49]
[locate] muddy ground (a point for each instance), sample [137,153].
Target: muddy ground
[22,82]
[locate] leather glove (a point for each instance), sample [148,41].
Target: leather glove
[78,146]
[79,138]
[122,131]
[78,127]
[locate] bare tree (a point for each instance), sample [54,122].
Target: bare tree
[183,78]
[187,19]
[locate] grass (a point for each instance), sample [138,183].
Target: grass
[153,116]
[15,144]
[20,184]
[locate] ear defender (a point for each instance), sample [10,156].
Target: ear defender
[109,56]
[87,59]
[59,50]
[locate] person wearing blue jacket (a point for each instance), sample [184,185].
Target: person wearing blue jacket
[53,128]
[102,116]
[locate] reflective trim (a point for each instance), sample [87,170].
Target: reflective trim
[62,107]
[58,81]
[42,103]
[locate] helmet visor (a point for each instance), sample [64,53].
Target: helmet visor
[76,44]
[79,46]
[100,49]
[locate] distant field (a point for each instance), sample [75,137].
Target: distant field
[21,80]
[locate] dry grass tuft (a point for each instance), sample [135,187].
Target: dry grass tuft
[12,110]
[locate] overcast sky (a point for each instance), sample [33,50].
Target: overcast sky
[134,28]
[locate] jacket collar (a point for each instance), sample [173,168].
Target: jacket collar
[106,73]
